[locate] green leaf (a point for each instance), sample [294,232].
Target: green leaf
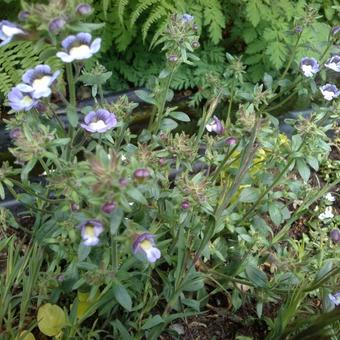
[168,124]
[51,319]
[181,116]
[72,115]
[83,252]
[153,321]
[256,276]
[27,169]
[253,12]
[136,195]
[296,142]
[303,169]
[249,195]
[116,220]
[122,296]
[86,27]
[145,96]
[275,213]
[122,330]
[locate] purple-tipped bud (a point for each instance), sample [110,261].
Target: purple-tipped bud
[84,9]
[335,30]
[162,161]
[141,174]
[195,44]
[61,278]
[75,207]
[185,205]
[23,15]
[298,29]
[15,133]
[108,207]
[335,236]
[231,141]
[56,25]
[123,182]
[172,58]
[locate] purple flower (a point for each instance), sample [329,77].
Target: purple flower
[38,81]
[79,47]
[145,244]
[108,207]
[123,182]
[141,173]
[298,29]
[8,30]
[84,9]
[186,18]
[335,298]
[21,101]
[334,63]
[335,236]
[309,66]
[99,121]
[172,58]
[90,231]
[56,25]
[231,141]
[329,91]
[215,126]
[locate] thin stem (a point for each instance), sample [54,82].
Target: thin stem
[277,106]
[229,108]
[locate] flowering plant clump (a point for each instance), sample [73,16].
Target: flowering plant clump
[139,211]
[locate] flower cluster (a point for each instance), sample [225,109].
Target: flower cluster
[36,84]
[310,67]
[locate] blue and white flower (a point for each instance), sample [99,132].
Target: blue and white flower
[334,63]
[309,66]
[99,121]
[8,30]
[79,47]
[90,231]
[329,197]
[145,244]
[215,126]
[21,101]
[327,214]
[335,298]
[329,91]
[38,81]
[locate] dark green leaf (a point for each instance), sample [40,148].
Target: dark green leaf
[256,276]
[122,296]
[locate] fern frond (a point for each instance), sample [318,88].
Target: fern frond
[121,6]
[142,6]
[156,15]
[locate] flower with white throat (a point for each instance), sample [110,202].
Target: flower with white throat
[79,47]
[327,214]
[90,231]
[99,121]
[145,244]
[309,66]
[329,91]
[7,31]
[334,63]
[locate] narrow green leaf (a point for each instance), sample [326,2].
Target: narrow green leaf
[116,220]
[256,276]
[152,322]
[122,296]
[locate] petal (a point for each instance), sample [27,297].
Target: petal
[95,46]
[153,254]
[54,76]
[24,87]
[84,38]
[90,116]
[6,41]
[43,93]
[27,76]
[67,42]
[66,58]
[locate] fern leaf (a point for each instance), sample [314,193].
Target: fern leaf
[156,15]
[121,6]
[143,5]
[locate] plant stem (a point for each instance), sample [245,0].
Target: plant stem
[71,84]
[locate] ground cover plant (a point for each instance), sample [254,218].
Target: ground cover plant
[194,221]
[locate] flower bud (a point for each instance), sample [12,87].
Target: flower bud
[335,236]
[141,174]
[123,182]
[162,161]
[335,30]
[185,205]
[109,207]
[231,141]
[23,15]
[15,133]
[195,27]
[298,29]
[84,9]
[41,107]
[56,25]
[172,58]
[195,44]
[61,278]
[75,207]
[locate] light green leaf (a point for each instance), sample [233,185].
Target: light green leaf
[122,296]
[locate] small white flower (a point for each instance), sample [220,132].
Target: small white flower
[327,214]
[329,197]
